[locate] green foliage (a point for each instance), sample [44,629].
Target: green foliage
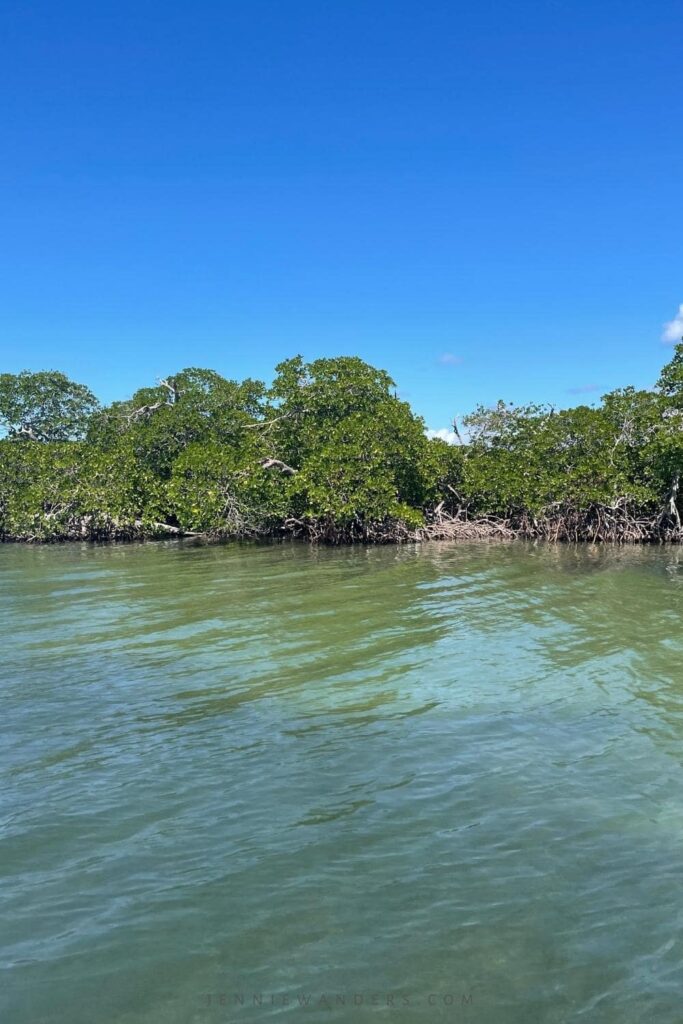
[522,460]
[225,490]
[362,456]
[44,406]
[670,381]
[352,482]
[67,490]
[190,407]
[310,399]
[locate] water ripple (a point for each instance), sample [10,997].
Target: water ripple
[282,773]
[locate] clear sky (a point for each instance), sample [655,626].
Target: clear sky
[484,198]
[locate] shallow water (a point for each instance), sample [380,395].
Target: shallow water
[405,784]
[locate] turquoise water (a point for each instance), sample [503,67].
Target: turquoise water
[403,784]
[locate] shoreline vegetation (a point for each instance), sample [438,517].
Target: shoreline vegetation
[330,454]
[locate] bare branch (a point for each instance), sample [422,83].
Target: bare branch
[267,424]
[278,464]
[31,433]
[457,432]
[172,387]
[144,410]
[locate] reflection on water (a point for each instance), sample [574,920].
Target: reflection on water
[375,781]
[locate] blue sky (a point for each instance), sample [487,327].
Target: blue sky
[483,198]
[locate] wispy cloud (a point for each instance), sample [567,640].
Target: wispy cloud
[583,389]
[449,359]
[673,329]
[444,434]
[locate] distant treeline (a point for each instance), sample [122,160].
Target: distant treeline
[330,453]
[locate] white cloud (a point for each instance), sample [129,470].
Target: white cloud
[449,359]
[673,330]
[449,436]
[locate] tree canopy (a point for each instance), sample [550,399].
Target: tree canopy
[44,406]
[329,452]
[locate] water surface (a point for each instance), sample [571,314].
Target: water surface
[400,784]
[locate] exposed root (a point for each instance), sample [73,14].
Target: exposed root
[461,527]
[618,523]
[615,524]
